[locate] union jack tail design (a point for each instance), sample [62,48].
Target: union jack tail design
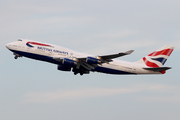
[157,58]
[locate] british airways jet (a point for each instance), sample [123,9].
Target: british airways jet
[67,60]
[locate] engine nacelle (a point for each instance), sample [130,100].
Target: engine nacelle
[68,62]
[92,60]
[63,68]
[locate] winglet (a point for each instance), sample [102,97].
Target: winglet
[129,52]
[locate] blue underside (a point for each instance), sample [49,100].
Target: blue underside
[51,60]
[110,71]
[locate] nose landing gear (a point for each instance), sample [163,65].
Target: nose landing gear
[16,56]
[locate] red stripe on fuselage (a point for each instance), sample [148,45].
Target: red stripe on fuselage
[35,43]
[150,64]
[162,52]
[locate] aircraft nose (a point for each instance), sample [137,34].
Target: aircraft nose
[7,46]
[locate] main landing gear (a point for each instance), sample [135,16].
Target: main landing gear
[80,71]
[75,73]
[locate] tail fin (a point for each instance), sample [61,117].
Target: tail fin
[157,58]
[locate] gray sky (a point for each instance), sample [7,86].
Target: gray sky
[34,90]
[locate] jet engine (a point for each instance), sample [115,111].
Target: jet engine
[64,68]
[68,62]
[92,60]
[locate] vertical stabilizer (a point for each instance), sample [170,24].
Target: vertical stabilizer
[157,58]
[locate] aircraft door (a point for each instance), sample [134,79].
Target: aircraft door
[133,69]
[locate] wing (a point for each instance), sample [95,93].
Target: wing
[86,64]
[108,58]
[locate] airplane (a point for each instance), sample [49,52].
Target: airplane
[70,60]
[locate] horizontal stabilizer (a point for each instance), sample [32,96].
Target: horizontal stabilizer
[158,69]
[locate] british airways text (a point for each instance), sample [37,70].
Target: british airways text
[51,50]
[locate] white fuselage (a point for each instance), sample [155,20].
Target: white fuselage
[47,53]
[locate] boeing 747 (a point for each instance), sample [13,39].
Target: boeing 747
[70,60]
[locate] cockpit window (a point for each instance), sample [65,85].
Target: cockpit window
[19,40]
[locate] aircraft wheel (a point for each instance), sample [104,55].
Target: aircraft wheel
[16,57]
[81,74]
[75,73]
